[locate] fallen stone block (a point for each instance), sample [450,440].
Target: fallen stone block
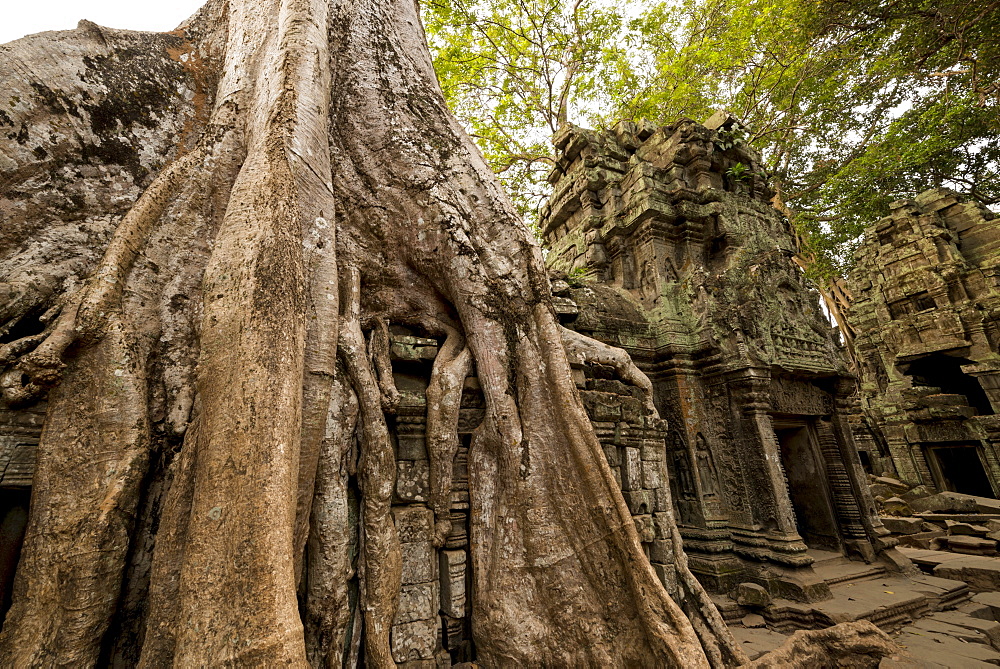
[894,506]
[991,600]
[753,620]
[916,493]
[980,574]
[896,484]
[905,525]
[966,529]
[945,502]
[972,545]
[751,594]
[987,505]
[925,540]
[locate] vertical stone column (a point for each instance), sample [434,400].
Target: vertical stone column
[753,396]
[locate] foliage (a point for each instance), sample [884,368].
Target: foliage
[852,103]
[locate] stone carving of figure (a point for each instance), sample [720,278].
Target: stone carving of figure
[682,465]
[706,466]
[647,282]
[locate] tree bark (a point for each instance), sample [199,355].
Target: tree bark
[309,187]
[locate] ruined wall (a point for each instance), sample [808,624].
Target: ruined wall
[927,311]
[433,621]
[671,249]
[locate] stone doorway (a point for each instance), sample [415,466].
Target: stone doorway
[959,468]
[945,373]
[13,522]
[808,487]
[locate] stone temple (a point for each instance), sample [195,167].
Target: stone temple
[663,242]
[927,311]
[683,262]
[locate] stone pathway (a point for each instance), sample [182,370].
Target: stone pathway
[982,573]
[931,617]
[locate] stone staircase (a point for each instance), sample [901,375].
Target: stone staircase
[922,612]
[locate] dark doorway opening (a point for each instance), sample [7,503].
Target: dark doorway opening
[807,486]
[13,522]
[959,469]
[866,461]
[945,372]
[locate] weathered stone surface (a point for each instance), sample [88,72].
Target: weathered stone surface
[902,525]
[927,540]
[753,620]
[412,480]
[968,529]
[414,641]
[925,297]
[631,469]
[453,573]
[419,562]
[972,545]
[677,252]
[895,506]
[945,502]
[751,594]
[413,522]
[417,602]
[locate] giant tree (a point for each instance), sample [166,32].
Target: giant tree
[206,234]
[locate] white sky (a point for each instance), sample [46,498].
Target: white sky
[24,17]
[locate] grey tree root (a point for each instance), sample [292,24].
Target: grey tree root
[377,477]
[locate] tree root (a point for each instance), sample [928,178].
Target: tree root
[378,345]
[857,644]
[381,553]
[86,315]
[716,639]
[327,608]
[444,398]
[582,349]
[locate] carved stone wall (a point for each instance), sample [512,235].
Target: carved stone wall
[927,310]
[670,248]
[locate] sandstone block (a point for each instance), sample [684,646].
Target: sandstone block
[661,550]
[894,506]
[414,641]
[631,469]
[638,501]
[644,526]
[668,577]
[893,483]
[753,620]
[987,505]
[661,525]
[751,594]
[924,540]
[904,525]
[453,583]
[945,502]
[652,450]
[411,447]
[661,499]
[651,475]
[419,563]
[412,480]
[966,529]
[417,602]
[972,545]
[413,522]
[915,493]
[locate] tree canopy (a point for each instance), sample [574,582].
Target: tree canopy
[852,104]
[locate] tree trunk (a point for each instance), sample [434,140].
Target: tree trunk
[285,181]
